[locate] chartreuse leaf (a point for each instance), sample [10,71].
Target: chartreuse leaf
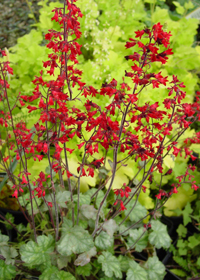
[156,270]
[178,200]
[110,265]
[136,272]
[52,273]
[180,10]
[159,236]
[7,271]
[104,241]
[134,235]
[33,253]
[75,240]
[84,270]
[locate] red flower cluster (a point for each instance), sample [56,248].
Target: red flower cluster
[116,127]
[123,192]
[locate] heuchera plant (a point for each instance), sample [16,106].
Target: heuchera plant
[80,233]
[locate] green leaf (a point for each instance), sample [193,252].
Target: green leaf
[88,211]
[134,235]
[137,213]
[84,270]
[198,262]
[21,227]
[9,254]
[62,261]
[104,241]
[75,240]
[84,258]
[156,270]
[110,227]
[10,218]
[136,272]
[159,236]
[67,224]
[193,242]
[52,273]
[123,263]
[12,169]
[179,272]
[180,10]
[3,239]
[33,253]
[7,271]
[181,230]
[186,212]
[110,265]
[188,5]
[62,197]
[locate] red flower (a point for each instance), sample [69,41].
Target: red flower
[122,207]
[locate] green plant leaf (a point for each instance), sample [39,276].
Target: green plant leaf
[62,197]
[67,224]
[84,258]
[84,270]
[179,272]
[33,253]
[75,240]
[186,212]
[9,254]
[180,10]
[159,236]
[7,271]
[62,261]
[193,242]
[181,230]
[137,213]
[104,241]
[52,273]
[10,218]
[110,227]
[123,263]
[198,262]
[136,272]
[134,235]
[88,211]
[156,269]
[110,265]
[12,169]
[3,239]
